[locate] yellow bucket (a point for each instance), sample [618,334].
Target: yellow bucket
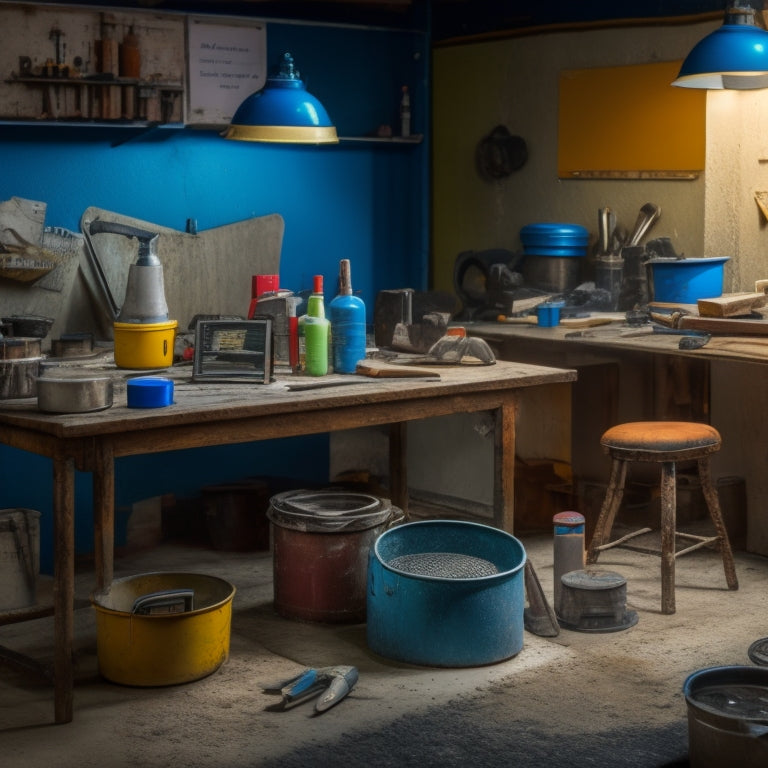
[144,345]
[162,648]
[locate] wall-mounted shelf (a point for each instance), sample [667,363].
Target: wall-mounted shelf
[123,98]
[415,139]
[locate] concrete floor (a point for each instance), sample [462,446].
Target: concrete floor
[577,685]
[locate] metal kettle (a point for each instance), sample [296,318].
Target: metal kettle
[145,291]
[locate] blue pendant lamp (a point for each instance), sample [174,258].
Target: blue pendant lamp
[735,56]
[283,112]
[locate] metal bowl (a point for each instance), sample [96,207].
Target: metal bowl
[74,395]
[35,326]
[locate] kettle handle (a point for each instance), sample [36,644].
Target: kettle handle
[99,227]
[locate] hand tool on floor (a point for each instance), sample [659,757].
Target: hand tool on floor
[332,684]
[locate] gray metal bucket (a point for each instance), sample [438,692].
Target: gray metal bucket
[728,717]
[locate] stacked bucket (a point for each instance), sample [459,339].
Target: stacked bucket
[553,255]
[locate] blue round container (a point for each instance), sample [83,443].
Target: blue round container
[440,620]
[686,280]
[149,392]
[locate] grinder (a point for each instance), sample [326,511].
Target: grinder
[143,333]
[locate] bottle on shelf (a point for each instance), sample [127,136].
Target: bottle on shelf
[405,113]
[314,333]
[347,316]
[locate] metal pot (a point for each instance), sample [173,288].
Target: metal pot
[18,347]
[74,394]
[727,717]
[18,376]
[29,325]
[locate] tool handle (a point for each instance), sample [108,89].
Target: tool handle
[99,227]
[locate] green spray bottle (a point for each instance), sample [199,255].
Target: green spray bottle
[314,333]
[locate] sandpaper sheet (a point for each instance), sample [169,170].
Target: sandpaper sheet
[208,273]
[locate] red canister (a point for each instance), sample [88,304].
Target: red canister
[321,541]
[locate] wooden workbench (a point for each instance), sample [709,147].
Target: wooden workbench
[618,336]
[206,414]
[639,377]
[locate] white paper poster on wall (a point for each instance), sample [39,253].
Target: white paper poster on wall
[226,64]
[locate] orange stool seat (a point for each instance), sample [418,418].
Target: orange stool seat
[664,443]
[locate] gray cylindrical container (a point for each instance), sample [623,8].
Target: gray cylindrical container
[727,717]
[568,549]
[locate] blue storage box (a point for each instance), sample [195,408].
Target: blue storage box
[548,313]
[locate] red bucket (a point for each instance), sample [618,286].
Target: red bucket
[321,541]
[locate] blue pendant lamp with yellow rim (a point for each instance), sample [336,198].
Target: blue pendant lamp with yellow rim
[282,112]
[733,57]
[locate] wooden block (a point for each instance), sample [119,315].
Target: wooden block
[527,320]
[761,286]
[731,304]
[671,305]
[382,369]
[724,325]
[525,305]
[585,322]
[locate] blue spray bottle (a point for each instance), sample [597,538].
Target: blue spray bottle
[347,316]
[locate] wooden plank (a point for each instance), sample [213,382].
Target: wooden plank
[731,305]
[586,322]
[725,326]
[382,369]
[672,306]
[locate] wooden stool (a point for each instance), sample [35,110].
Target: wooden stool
[665,443]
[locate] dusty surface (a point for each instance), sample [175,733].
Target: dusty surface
[580,698]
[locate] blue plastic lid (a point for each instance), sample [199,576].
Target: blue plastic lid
[149,392]
[554,231]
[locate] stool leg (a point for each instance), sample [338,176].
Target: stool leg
[611,504]
[713,504]
[668,507]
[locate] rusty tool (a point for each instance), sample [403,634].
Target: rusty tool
[332,684]
[450,350]
[690,339]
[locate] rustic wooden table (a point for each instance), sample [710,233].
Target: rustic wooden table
[205,414]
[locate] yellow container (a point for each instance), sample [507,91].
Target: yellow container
[162,648]
[144,345]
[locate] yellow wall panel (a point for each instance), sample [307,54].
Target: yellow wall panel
[629,122]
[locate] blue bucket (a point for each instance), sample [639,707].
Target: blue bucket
[685,281]
[446,593]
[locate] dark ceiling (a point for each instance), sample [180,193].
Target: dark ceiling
[445,19]
[459,18]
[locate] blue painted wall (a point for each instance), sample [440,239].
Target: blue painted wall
[367,202]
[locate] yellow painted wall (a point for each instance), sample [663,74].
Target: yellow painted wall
[514,82]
